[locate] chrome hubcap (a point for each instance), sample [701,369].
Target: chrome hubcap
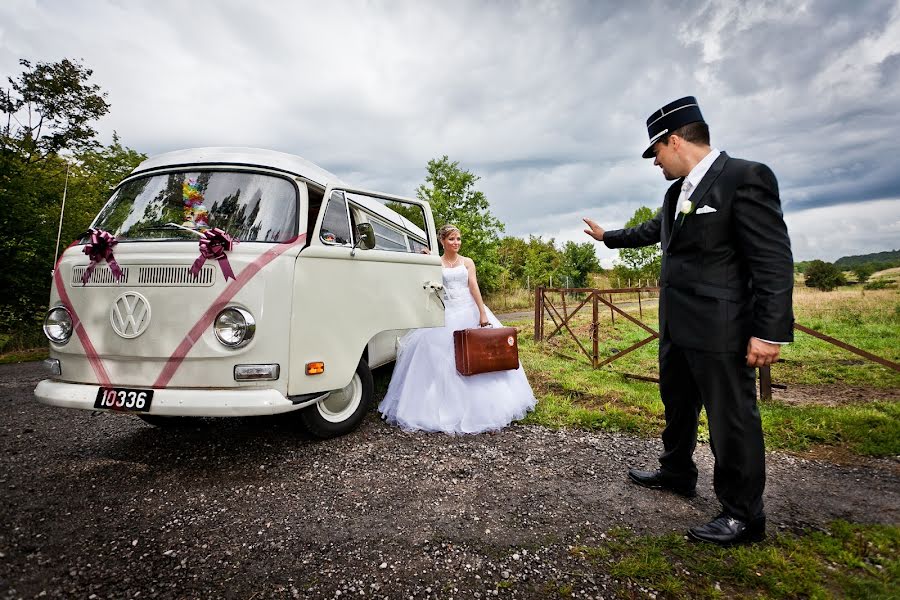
[342,403]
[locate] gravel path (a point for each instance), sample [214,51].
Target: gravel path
[98,506]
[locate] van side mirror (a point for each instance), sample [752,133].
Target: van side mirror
[365,236]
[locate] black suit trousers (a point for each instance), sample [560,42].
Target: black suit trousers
[723,384]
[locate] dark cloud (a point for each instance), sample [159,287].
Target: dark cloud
[546,102]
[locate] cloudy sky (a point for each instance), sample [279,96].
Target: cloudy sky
[545,101]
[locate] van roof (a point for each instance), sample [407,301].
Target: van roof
[256,157]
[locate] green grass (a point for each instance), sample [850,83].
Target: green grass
[572,394]
[846,561]
[18,356]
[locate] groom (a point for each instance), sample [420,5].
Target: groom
[724,309]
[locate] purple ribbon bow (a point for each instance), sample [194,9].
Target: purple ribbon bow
[214,243]
[101,248]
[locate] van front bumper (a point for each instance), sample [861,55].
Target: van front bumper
[174,402]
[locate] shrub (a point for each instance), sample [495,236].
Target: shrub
[823,276]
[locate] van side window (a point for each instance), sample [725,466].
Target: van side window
[336,223]
[393,223]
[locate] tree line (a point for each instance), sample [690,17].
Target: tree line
[48,147]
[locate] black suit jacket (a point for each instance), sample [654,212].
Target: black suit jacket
[726,275]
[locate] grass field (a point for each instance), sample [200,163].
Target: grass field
[572,394]
[845,561]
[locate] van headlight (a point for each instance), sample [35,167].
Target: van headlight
[58,325]
[234,327]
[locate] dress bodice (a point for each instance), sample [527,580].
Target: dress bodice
[456,284]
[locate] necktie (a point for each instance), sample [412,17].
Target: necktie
[686,188]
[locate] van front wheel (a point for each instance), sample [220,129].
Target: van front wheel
[344,409]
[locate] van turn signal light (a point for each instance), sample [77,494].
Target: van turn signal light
[315,368]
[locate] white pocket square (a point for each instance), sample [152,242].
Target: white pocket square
[705,209]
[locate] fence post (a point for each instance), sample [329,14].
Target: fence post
[596,334]
[538,314]
[765,383]
[640,310]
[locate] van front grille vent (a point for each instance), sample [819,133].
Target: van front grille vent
[149,276]
[100,276]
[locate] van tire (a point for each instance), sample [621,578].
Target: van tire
[343,410]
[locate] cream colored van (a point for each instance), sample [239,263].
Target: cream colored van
[234,281]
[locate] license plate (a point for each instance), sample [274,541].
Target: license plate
[126,399]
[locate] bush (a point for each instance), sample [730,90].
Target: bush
[878,284]
[823,276]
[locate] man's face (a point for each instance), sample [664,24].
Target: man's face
[666,158]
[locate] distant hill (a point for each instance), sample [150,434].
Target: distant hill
[877,261]
[884,259]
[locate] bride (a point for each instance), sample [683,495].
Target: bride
[426,392]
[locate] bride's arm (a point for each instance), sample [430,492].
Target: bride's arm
[476,292]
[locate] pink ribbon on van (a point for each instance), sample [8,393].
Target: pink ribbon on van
[214,243]
[100,247]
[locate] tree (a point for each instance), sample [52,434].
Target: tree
[49,108]
[823,275]
[48,112]
[451,193]
[511,255]
[863,272]
[577,261]
[542,261]
[639,263]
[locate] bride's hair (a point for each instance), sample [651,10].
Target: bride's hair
[445,231]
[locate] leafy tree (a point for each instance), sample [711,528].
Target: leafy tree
[511,255]
[542,261]
[823,275]
[639,263]
[577,261]
[48,111]
[863,272]
[50,108]
[451,193]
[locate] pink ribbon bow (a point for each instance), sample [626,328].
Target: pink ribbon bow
[214,243]
[101,248]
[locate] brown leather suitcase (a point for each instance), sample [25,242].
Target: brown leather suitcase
[486,349]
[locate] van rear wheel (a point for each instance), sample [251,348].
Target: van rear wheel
[344,409]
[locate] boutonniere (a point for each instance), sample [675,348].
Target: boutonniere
[685,208]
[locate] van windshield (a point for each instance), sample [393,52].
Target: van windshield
[248,206]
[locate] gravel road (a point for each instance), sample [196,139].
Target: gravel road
[106,506]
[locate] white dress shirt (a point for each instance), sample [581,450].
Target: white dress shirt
[691,182]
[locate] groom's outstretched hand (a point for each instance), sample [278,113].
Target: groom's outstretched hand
[595,230]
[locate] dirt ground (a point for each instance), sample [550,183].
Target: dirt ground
[105,506]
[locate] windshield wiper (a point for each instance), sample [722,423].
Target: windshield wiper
[167,226]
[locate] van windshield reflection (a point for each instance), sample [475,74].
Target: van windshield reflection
[175,206]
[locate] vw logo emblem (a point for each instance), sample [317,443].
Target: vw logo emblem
[130,315]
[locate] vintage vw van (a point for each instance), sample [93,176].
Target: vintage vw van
[235,281]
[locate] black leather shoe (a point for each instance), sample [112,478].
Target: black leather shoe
[660,480]
[725,530]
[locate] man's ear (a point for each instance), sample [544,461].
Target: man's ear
[675,142]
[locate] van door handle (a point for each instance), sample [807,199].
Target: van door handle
[436,288]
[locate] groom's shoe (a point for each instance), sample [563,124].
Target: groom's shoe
[660,480]
[726,530]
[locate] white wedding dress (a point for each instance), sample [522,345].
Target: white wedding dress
[427,393]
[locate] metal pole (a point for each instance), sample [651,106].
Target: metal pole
[538,314]
[62,211]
